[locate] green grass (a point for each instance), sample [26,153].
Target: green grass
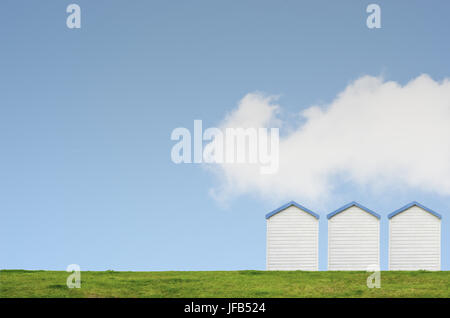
[20,283]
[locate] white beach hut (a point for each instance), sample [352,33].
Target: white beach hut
[353,238]
[292,238]
[414,238]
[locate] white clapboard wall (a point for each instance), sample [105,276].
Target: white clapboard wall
[414,239]
[292,238]
[353,238]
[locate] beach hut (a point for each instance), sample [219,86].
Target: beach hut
[292,238]
[353,238]
[414,238]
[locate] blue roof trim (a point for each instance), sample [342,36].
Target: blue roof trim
[349,205]
[414,203]
[287,205]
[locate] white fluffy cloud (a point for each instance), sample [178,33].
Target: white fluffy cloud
[374,134]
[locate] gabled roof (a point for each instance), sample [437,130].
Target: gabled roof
[414,203]
[289,204]
[345,207]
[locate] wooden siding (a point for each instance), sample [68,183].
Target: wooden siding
[414,240]
[292,240]
[353,240]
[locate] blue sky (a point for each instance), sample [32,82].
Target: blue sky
[86,117]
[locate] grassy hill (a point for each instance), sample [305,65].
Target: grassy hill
[229,284]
